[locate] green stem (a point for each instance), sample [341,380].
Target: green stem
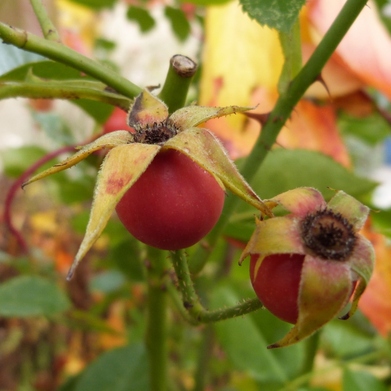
[291,47]
[60,53]
[190,306]
[204,356]
[63,90]
[311,346]
[281,113]
[157,330]
[47,27]
[177,83]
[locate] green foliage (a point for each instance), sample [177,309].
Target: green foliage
[205,2]
[123,369]
[280,15]
[31,296]
[17,160]
[361,381]
[238,338]
[96,4]
[287,169]
[371,129]
[142,17]
[179,23]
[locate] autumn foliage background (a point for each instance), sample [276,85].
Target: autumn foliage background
[337,138]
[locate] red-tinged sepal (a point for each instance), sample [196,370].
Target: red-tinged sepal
[146,110]
[191,116]
[110,140]
[120,170]
[338,260]
[203,147]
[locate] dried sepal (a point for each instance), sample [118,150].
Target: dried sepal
[109,140]
[146,110]
[203,147]
[324,291]
[191,116]
[120,170]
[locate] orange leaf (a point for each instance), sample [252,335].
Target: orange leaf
[366,48]
[375,302]
[314,127]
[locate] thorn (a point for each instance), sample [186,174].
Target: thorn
[261,118]
[320,79]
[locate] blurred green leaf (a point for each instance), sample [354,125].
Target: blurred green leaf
[31,296]
[123,369]
[371,129]
[179,23]
[343,339]
[382,221]
[142,17]
[205,2]
[361,381]
[287,169]
[17,160]
[280,15]
[245,344]
[96,4]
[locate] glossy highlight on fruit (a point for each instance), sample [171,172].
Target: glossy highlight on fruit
[276,283]
[173,204]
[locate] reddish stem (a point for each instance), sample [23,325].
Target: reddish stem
[17,185]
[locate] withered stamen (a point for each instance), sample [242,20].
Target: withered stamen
[157,133]
[328,235]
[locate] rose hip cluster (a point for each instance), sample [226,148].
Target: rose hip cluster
[305,266]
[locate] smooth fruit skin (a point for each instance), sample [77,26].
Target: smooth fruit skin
[277,284]
[173,204]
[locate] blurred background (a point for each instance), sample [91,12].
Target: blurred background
[340,138]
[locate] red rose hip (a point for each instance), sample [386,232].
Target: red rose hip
[173,204]
[276,283]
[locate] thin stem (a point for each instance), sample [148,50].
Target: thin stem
[311,346]
[10,196]
[60,53]
[191,305]
[156,332]
[177,83]
[204,356]
[47,27]
[291,47]
[281,113]
[63,90]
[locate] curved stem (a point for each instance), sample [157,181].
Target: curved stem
[60,53]
[191,307]
[10,196]
[281,113]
